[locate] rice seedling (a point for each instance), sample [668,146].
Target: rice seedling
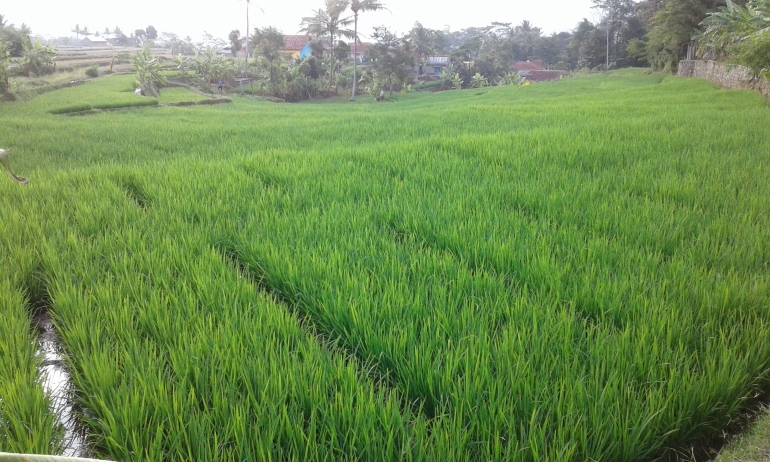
[574,272]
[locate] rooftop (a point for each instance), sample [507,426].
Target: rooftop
[295,42]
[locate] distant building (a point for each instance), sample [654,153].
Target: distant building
[360,53]
[433,65]
[94,42]
[111,38]
[298,46]
[536,71]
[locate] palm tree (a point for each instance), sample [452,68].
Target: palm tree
[6,163]
[85,31]
[359,6]
[3,22]
[77,31]
[327,21]
[526,36]
[422,42]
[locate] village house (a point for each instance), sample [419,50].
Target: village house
[94,42]
[360,53]
[536,71]
[433,65]
[297,45]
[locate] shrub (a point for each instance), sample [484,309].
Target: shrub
[93,71]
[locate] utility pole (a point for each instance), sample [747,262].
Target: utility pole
[609,23]
[246,69]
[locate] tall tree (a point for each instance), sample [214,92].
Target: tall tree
[360,6]
[587,46]
[151,32]
[423,43]
[235,41]
[85,31]
[77,31]
[392,58]
[672,28]
[329,22]
[267,43]
[525,35]
[617,14]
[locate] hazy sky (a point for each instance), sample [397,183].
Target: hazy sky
[58,17]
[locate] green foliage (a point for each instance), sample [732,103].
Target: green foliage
[475,278]
[267,43]
[329,21]
[26,422]
[38,59]
[478,81]
[445,78]
[93,71]
[103,105]
[235,41]
[672,28]
[148,69]
[392,59]
[740,33]
[457,82]
[5,56]
[15,39]
[511,78]
[209,66]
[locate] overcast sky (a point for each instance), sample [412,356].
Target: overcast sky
[55,18]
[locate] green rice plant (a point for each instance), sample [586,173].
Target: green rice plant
[575,272]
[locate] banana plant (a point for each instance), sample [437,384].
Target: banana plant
[6,163]
[148,70]
[478,81]
[740,33]
[36,58]
[182,64]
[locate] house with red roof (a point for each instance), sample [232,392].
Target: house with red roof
[536,71]
[297,45]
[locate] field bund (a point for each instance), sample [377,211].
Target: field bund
[570,271]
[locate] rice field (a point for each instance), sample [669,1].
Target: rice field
[571,271]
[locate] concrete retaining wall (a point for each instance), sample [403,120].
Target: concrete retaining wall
[725,75]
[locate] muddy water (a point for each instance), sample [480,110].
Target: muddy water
[56,384]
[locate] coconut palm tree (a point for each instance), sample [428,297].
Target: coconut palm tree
[327,21]
[422,40]
[6,163]
[359,6]
[525,35]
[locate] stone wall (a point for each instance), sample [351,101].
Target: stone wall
[725,75]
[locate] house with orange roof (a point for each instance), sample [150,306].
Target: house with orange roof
[297,45]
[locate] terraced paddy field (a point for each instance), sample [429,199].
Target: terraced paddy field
[571,271]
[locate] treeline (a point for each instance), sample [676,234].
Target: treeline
[30,57]
[655,33]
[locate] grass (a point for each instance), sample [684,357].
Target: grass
[573,270]
[754,446]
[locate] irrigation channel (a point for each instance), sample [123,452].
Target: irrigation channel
[56,384]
